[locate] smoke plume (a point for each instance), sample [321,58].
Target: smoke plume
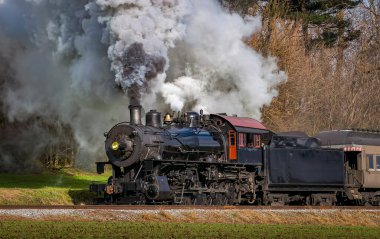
[141,32]
[80,63]
[218,71]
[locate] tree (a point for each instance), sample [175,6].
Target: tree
[323,21]
[244,7]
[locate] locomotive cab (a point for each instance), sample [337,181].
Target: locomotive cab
[245,138]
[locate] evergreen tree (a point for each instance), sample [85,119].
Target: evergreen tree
[243,7]
[327,18]
[323,21]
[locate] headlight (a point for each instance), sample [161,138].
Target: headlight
[115,145]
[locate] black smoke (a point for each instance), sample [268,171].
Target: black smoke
[141,67]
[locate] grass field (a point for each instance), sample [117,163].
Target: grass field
[65,187]
[46,229]
[71,186]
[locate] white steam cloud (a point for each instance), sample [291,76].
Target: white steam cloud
[67,57]
[141,33]
[222,73]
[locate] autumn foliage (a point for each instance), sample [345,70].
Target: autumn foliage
[329,86]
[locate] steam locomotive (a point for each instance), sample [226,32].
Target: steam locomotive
[215,159]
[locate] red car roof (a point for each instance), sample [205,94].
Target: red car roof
[243,122]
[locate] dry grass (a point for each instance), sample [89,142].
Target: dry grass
[10,194]
[340,217]
[47,196]
[286,217]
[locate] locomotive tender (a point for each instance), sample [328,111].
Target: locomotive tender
[199,159]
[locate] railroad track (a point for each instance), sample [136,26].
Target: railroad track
[171,207]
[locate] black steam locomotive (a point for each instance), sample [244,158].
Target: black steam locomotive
[201,159]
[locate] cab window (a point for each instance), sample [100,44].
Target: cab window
[241,140]
[253,140]
[257,142]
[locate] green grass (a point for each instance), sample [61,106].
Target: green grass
[65,187]
[42,229]
[68,179]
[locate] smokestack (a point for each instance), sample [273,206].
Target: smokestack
[135,114]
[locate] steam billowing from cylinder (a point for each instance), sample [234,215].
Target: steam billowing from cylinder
[81,63]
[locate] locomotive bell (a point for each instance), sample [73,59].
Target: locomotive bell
[168,119]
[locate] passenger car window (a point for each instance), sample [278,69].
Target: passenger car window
[377,162]
[371,165]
